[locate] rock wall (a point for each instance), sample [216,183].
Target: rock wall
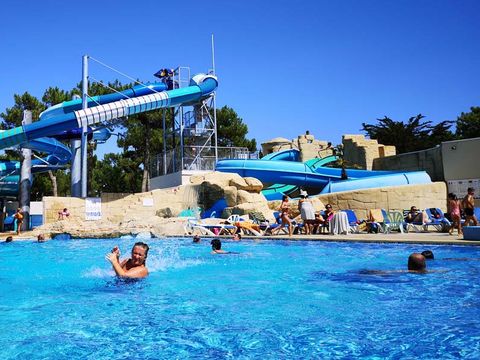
[309,147]
[390,198]
[243,195]
[361,152]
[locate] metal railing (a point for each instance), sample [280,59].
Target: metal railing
[195,158]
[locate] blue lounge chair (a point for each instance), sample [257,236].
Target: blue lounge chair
[352,220]
[8,223]
[437,219]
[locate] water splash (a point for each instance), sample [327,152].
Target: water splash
[97,272]
[168,257]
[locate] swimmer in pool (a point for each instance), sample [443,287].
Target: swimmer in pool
[417,263]
[133,268]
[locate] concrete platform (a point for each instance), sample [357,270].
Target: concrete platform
[430,237]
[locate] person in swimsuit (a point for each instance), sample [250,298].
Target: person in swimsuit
[469,207]
[417,216]
[217,247]
[284,216]
[19,220]
[454,206]
[133,268]
[63,214]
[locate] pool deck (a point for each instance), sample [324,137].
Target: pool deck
[430,237]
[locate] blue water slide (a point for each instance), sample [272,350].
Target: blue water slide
[324,178]
[286,155]
[376,181]
[68,117]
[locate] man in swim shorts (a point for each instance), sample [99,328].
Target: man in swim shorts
[469,207]
[133,268]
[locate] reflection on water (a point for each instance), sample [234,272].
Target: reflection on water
[285,300]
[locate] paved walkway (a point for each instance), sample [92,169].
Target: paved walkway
[430,237]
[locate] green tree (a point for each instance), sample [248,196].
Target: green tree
[117,173]
[231,130]
[411,136]
[12,117]
[468,124]
[143,138]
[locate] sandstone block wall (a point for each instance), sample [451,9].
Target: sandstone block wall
[242,194]
[361,152]
[390,198]
[309,147]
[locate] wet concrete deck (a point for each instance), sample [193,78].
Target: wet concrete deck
[430,237]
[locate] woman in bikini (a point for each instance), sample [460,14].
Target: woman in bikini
[454,206]
[285,218]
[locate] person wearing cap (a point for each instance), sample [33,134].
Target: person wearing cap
[307,212]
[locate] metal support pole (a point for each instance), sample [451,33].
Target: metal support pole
[165,141]
[182,152]
[214,104]
[76,168]
[85,126]
[25,177]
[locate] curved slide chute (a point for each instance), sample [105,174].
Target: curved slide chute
[325,179]
[276,191]
[69,116]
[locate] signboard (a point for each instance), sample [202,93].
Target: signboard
[459,187]
[93,209]
[148,202]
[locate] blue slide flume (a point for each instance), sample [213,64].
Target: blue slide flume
[323,179]
[64,120]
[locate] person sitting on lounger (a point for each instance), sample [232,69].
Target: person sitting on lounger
[133,268]
[417,216]
[248,226]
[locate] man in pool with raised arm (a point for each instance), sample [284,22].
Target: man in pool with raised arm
[133,268]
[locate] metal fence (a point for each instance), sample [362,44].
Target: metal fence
[195,158]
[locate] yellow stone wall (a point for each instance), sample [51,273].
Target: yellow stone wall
[390,198]
[359,151]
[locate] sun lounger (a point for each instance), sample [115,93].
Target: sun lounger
[376,221]
[193,225]
[437,219]
[393,220]
[352,221]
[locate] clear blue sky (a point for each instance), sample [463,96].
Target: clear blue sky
[323,66]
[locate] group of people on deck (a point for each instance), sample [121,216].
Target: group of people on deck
[312,220]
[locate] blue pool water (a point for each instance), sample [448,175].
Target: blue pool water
[274,300]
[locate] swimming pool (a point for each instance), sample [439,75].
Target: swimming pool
[274,300]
